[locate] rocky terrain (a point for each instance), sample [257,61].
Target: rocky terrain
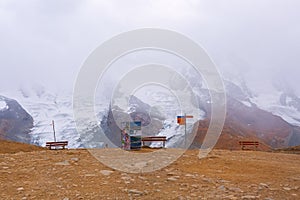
[76,174]
[15,122]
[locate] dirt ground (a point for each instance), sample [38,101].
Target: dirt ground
[223,174]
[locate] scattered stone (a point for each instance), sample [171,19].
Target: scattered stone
[223,181]
[20,189]
[249,197]
[75,159]
[193,195]
[287,188]
[222,187]
[264,185]
[181,198]
[273,189]
[142,178]
[231,197]
[90,175]
[235,190]
[135,191]
[252,185]
[126,178]
[207,180]
[172,179]
[106,172]
[171,173]
[190,175]
[296,178]
[64,163]
[184,184]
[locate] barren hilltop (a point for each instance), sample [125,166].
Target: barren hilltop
[75,174]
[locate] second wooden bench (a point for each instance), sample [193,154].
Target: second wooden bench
[154,139]
[61,144]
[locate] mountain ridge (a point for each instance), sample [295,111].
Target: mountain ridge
[244,117]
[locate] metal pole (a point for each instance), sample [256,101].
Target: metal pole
[184,130]
[53,130]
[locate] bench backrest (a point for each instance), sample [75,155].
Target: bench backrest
[154,138]
[57,143]
[248,143]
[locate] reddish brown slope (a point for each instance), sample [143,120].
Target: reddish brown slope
[249,123]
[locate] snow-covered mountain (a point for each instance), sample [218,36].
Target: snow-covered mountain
[274,96]
[45,106]
[159,110]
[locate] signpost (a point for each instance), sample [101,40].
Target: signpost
[181,120]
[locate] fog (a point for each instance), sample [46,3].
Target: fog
[46,42]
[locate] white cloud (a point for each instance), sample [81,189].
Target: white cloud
[47,41]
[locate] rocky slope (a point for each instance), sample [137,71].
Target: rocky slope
[15,122]
[248,122]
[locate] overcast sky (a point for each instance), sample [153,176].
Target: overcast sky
[46,42]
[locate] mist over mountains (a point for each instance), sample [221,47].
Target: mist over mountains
[273,119]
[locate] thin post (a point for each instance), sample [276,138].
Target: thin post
[184,130]
[53,130]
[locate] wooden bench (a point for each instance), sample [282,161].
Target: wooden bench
[248,143]
[62,144]
[154,139]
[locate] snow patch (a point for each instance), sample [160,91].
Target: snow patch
[247,103]
[3,105]
[270,103]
